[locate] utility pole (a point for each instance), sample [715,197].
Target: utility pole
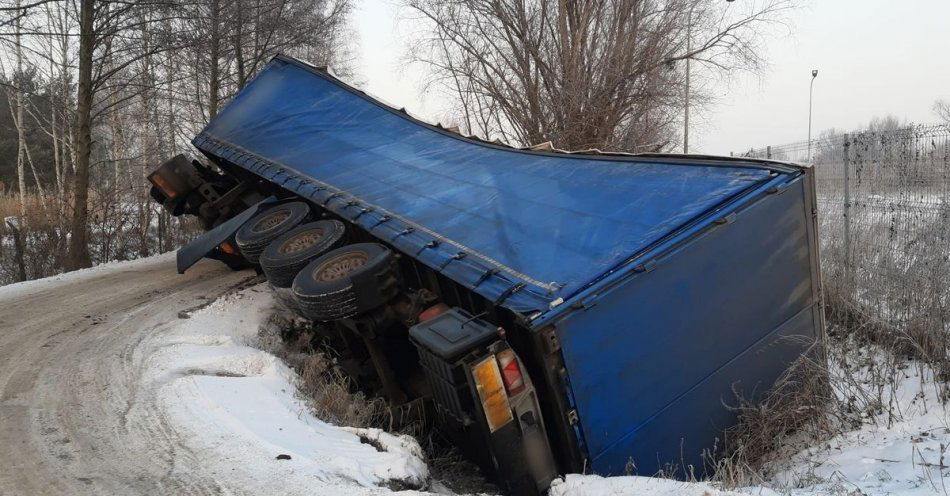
[689,36]
[811,90]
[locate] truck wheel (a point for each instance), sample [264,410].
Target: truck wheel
[346,281]
[266,226]
[285,256]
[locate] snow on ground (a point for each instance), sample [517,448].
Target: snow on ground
[238,405]
[910,456]
[81,274]
[907,456]
[592,485]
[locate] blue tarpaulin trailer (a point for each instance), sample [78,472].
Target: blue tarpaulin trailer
[643,291]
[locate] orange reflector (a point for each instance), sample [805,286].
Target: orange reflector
[228,248]
[163,185]
[491,391]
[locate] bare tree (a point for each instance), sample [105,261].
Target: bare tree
[585,73]
[231,40]
[100,91]
[109,46]
[18,118]
[942,109]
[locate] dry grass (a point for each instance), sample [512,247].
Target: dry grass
[42,212]
[818,399]
[799,406]
[327,390]
[117,230]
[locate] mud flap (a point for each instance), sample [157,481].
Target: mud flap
[201,246]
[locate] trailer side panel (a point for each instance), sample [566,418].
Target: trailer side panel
[652,361]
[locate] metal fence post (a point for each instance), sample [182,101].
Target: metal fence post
[847,211]
[768,152]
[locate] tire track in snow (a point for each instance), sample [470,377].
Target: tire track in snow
[72,417]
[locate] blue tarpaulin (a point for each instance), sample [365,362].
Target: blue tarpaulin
[520,227]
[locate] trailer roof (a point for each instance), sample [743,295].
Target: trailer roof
[526,229]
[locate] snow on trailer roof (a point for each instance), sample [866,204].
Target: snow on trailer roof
[526,229]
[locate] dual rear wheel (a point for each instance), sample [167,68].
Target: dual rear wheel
[327,279]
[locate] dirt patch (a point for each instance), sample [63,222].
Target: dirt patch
[373,442]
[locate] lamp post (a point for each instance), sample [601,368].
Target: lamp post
[689,39]
[689,28]
[811,91]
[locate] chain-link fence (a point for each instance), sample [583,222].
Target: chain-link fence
[884,214]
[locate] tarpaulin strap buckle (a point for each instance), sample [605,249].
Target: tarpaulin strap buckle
[458,256]
[332,196]
[404,231]
[508,292]
[777,189]
[363,211]
[352,203]
[646,266]
[431,244]
[488,273]
[384,218]
[726,219]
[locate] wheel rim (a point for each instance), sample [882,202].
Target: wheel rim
[339,266]
[301,241]
[271,220]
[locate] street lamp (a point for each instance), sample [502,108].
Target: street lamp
[689,39]
[811,90]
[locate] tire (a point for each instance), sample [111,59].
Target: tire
[283,258]
[346,281]
[266,226]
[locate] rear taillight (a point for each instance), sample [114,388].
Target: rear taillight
[510,372]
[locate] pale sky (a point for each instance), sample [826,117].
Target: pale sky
[874,57]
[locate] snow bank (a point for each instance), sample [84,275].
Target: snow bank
[35,285]
[909,456]
[593,485]
[906,456]
[238,408]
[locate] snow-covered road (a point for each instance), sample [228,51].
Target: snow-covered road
[131,379]
[73,416]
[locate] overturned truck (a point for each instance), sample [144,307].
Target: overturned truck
[561,312]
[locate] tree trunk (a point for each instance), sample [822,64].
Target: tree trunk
[214,54]
[239,46]
[79,243]
[65,94]
[20,138]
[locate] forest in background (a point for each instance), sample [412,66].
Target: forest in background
[94,94]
